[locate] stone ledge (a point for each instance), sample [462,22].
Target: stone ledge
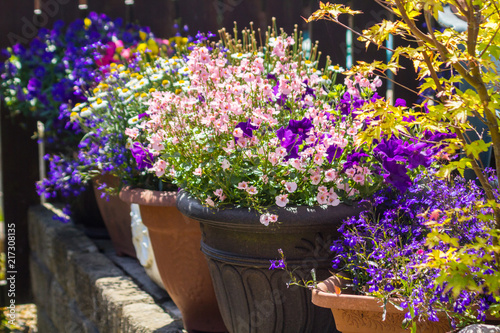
[79,289]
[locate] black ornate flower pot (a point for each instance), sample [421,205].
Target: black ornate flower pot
[239,248]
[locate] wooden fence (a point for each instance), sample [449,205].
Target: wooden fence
[20,23]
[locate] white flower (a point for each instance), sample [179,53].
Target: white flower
[99,104]
[156,77]
[85,113]
[336,68]
[124,93]
[133,120]
[78,107]
[181,83]
[184,71]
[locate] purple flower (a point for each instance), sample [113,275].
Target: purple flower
[332,152]
[34,85]
[293,135]
[247,128]
[396,175]
[300,127]
[143,157]
[400,102]
[277,264]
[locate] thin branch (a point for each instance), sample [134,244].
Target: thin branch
[493,37]
[382,74]
[361,35]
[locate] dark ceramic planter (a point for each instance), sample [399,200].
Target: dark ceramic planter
[116,216]
[182,266]
[239,248]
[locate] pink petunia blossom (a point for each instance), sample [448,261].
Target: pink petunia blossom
[291,187]
[210,202]
[225,164]
[282,200]
[322,198]
[242,186]
[252,190]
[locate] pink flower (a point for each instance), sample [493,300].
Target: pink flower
[333,200]
[210,202]
[238,132]
[322,198]
[219,192]
[132,132]
[252,190]
[282,200]
[360,179]
[273,218]
[291,186]
[315,179]
[265,179]
[159,167]
[273,158]
[197,172]
[225,164]
[322,189]
[318,158]
[330,175]
[350,172]
[264,219]
[242,186]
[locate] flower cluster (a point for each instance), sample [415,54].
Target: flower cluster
[384,249]
[112,114]
[262,127]
[43,79]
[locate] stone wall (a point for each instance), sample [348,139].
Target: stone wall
[77,288]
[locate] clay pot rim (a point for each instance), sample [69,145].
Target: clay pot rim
[325,296]
[148,197]
[250,218]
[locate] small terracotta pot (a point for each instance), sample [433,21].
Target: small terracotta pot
[363,314]
[183,268]
[116,216]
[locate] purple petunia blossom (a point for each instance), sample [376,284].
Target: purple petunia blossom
[247,128]
[143,157]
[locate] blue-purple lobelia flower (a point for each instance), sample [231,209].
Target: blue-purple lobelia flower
[143,157]
[383,248]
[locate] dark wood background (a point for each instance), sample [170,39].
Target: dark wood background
[19,152]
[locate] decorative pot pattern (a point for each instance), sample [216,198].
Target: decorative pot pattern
[239,248]
[116,216]
[363,314]
[183,268]
[143,246]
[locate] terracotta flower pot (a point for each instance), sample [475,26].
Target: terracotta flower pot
[363,314]
[116,216]
[182,266]
[253,298]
